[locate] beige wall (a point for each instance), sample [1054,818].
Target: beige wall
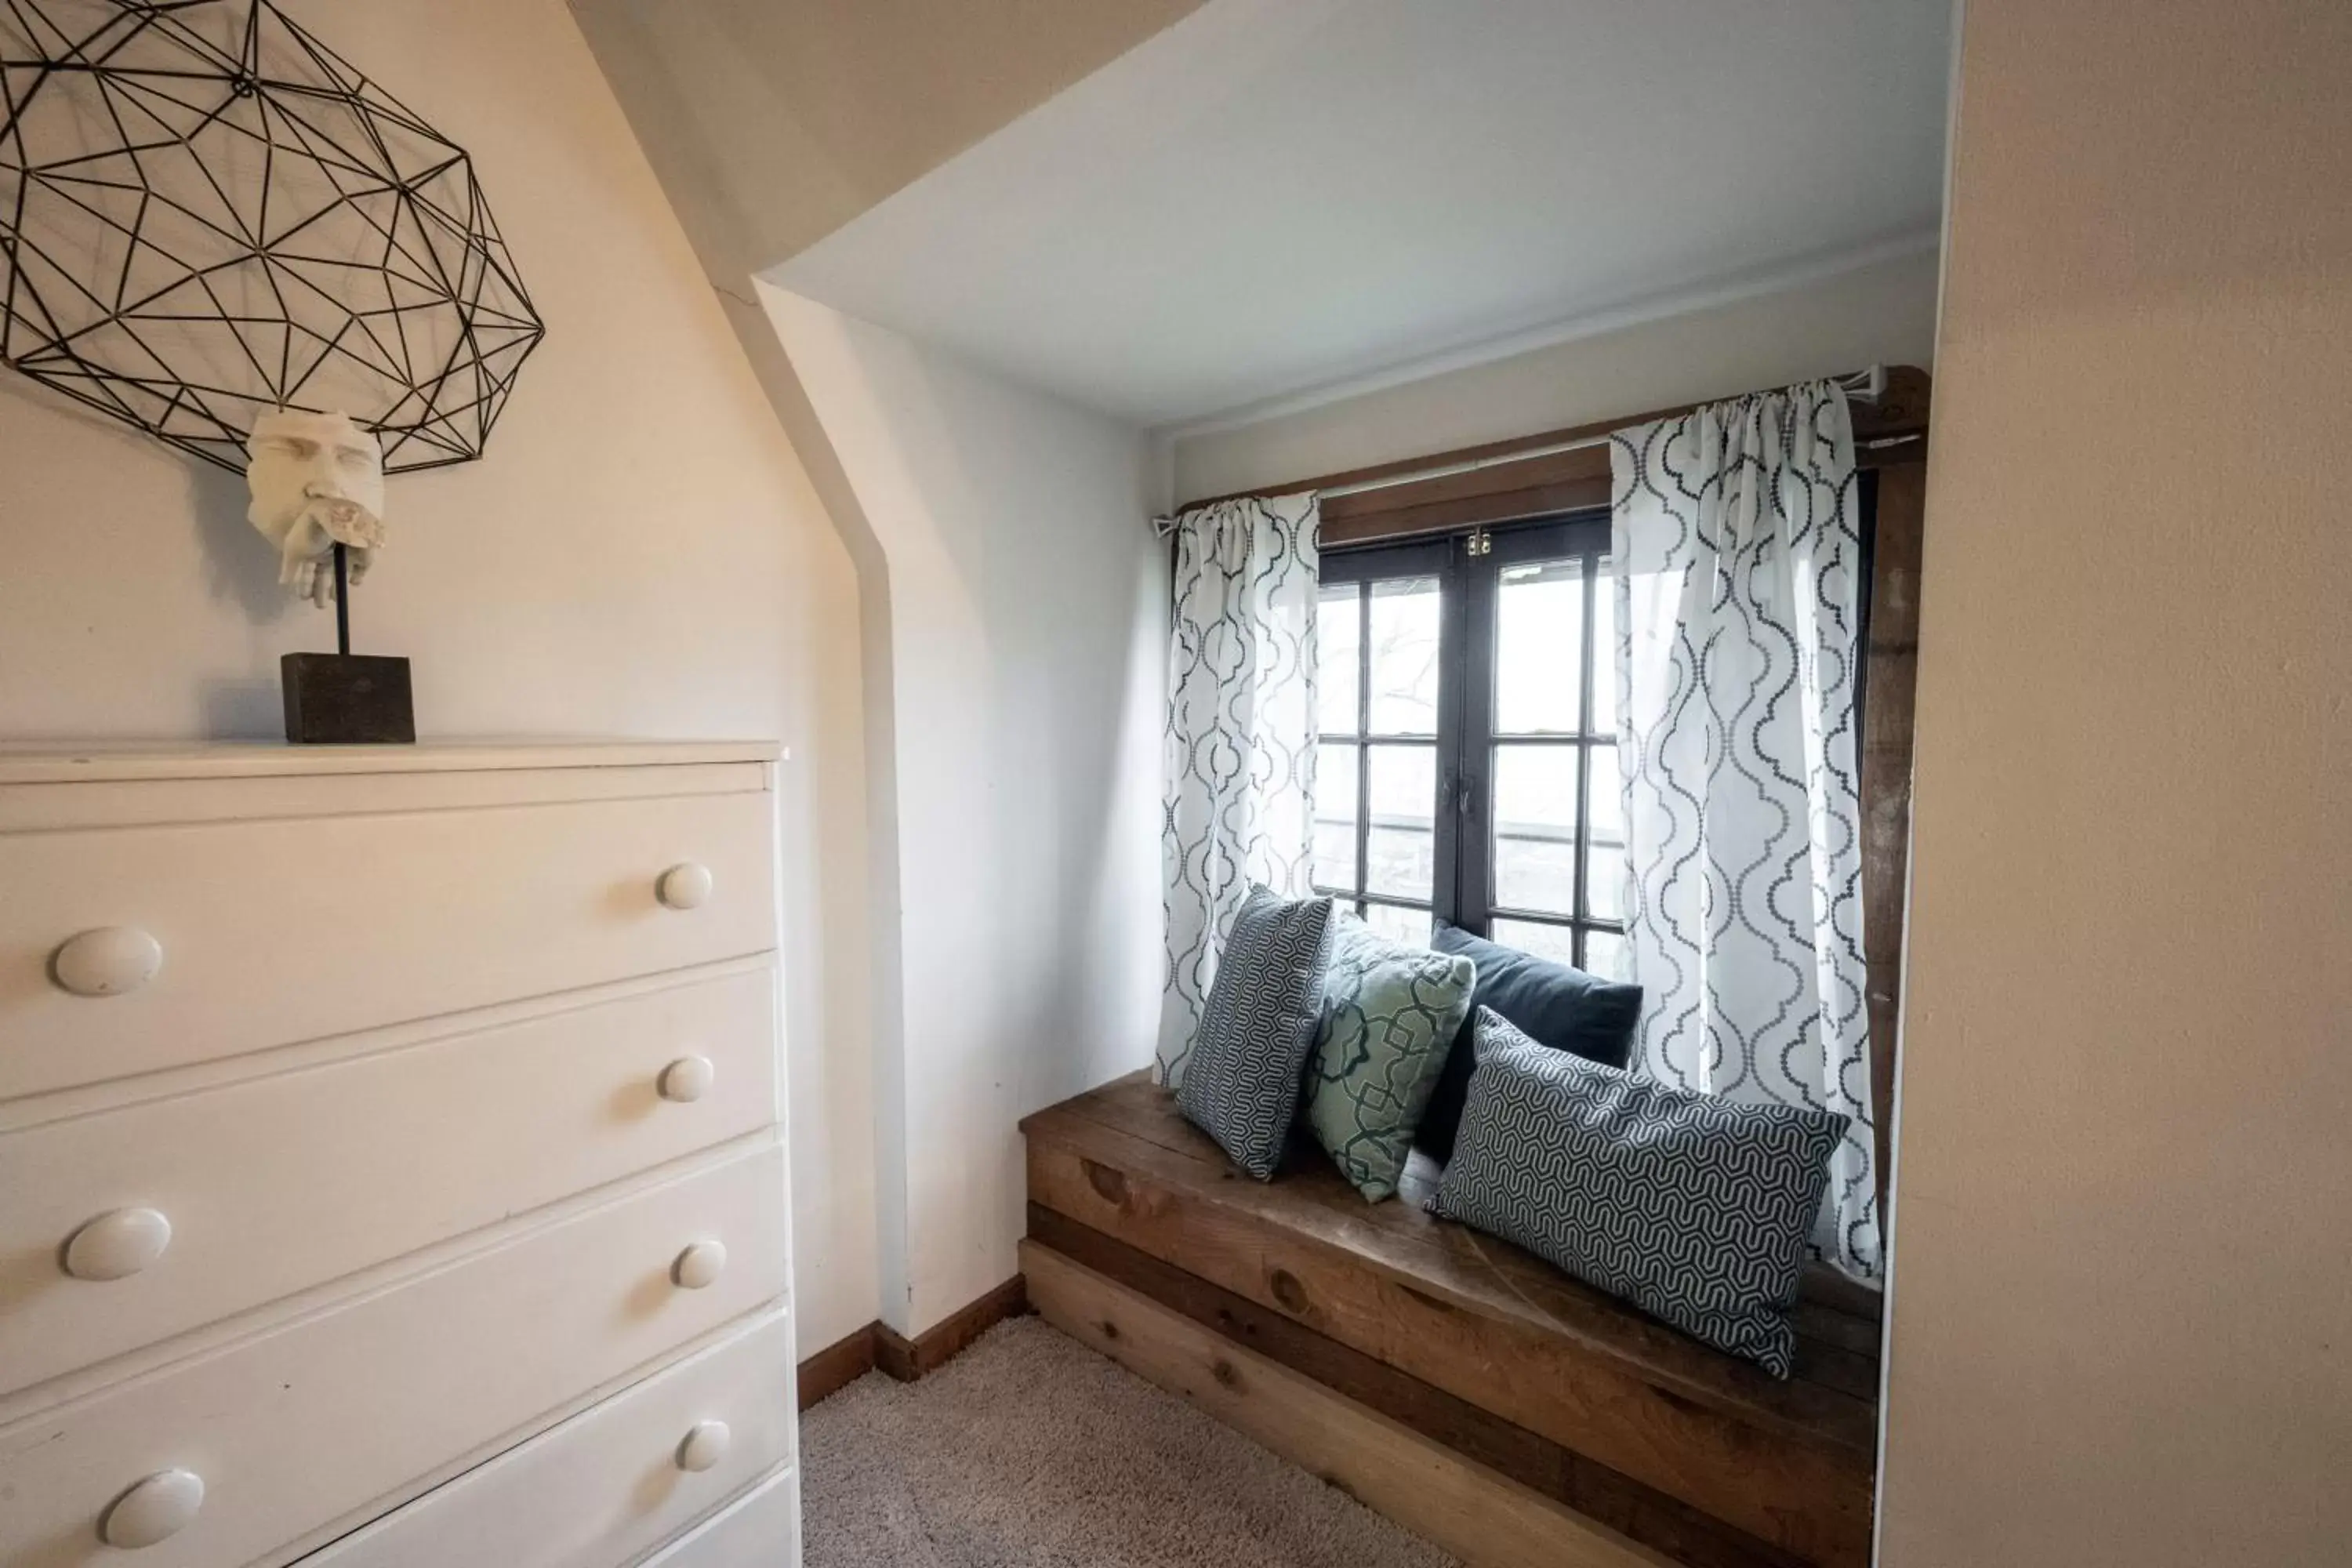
[2122,1325]
[1004,585]
[773,124]
[640,554]
[1883,313]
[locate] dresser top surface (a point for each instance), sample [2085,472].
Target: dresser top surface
[91,762]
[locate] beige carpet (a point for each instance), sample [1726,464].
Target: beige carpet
[1031,1451]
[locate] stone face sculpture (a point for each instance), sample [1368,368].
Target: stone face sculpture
[317,481]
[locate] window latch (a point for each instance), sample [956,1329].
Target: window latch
[1480,542]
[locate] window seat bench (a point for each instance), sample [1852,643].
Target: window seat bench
[1451,1380]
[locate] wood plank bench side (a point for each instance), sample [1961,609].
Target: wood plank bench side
[1640,1513]
[1779,1480]
[1484,1518]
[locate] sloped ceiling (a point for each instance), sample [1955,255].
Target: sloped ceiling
[773,122]
[1273,196]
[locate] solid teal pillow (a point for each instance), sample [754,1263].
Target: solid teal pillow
[1390,1015]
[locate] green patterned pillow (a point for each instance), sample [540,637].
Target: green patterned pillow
[1390,1015]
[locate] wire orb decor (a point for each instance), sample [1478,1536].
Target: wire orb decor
[205,215]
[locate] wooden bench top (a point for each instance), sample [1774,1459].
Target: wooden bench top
[1831,1399]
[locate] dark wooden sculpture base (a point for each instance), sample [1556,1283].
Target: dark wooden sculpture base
[347,700]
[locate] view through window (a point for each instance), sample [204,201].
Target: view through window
[1468,760]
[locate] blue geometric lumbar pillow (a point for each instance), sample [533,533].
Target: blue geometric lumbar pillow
[1242,1081]
[1693,1208]
[1390,1015]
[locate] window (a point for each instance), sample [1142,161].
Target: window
[1468,759]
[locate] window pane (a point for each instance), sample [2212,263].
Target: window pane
[1335,817]
[1555,943]
[1605,954]
[1535,827]
[1338,646]
[1408,926]
[1604,651]
[1604,855]
[1402,853]
[1539,647]
[1404,657]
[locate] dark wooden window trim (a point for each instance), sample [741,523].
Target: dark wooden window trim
[1567,482]
[1890,668]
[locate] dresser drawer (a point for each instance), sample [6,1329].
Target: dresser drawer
[609,1485]
[760,1530]
[273,1184]
[314,1425]
[278,931]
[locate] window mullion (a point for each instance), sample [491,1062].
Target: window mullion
[1364,742]
[1473,816]
[1446,896]
[1583,769]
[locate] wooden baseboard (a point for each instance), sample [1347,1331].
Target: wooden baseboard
[908,1360]
[1480,1516]
[836,1366]
[879,1347]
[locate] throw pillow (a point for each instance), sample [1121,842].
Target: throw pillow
[1258,1025]
[1551,1004]
[1693,1208]
[1390,1014]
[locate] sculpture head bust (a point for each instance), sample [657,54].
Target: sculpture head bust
[317,481]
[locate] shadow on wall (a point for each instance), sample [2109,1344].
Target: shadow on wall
[1123,1018]
[1037,512]
[1026,645]
[239,571]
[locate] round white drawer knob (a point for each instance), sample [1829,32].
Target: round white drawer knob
[157,1508]
[107,962]
[705,1445]
[118,1243]
[685,885]
[699,1264]
[689,1078]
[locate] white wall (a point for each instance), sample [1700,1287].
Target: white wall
[1884,312]
[640,554]
[1028,607]
[2122,1304]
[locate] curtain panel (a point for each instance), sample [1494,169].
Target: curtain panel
[1240,746]
[1738,560]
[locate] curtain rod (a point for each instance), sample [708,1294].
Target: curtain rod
[1864,386]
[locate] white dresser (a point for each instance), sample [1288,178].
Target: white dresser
[392,1171]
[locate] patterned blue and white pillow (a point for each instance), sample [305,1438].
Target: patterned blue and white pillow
[1242,1080]
[1693,1208]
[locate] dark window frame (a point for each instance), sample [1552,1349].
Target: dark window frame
[1584,538]
[1468,569]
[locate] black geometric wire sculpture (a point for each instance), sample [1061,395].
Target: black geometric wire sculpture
[205,214]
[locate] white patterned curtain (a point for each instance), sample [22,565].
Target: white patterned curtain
[1240,735]
[1738,562]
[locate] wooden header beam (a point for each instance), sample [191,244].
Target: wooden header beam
[1564,481]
